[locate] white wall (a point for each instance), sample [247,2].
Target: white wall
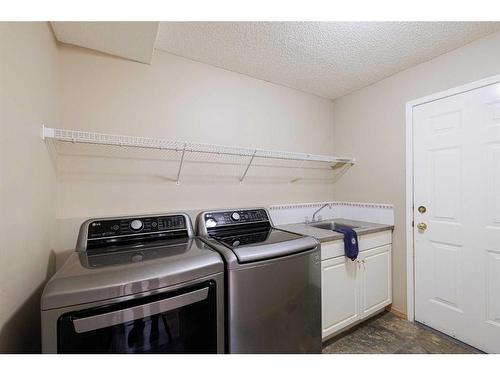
[28,98]
[177,98]
[369,124]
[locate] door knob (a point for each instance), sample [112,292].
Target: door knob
[422,226]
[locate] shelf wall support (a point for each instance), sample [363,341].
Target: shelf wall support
[47,132]
[300,166]
[177,182]
[248,167]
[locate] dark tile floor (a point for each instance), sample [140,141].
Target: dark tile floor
[388,334]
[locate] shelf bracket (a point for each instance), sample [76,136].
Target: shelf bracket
[47,132]
[248,167]
[177,182]
[300,166]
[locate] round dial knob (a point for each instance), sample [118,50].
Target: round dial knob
[235,216]
[136,224]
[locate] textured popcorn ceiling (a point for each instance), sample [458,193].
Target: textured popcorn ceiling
[329,59]
[131,40]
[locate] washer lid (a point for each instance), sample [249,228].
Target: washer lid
[78,282]
[264,243]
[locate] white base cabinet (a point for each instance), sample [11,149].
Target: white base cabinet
[353,290]
[339,283]
[375,276]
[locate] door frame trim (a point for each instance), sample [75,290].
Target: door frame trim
[410,244]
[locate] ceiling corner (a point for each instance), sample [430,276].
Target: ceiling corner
[130,40]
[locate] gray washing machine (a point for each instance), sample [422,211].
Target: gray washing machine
[141,284]
[273,282]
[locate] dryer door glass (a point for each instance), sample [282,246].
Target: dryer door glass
[178,322]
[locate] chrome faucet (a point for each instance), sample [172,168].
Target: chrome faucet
[319,209]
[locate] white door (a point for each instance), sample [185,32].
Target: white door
[339,294]
[457,181]
[375,279]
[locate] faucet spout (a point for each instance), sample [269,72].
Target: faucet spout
[329,205]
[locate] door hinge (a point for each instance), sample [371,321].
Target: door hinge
[413,223]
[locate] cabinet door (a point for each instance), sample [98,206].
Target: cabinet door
[339,294]
[376,279]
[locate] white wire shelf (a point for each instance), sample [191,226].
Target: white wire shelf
[252,156]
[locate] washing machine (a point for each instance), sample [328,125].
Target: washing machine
[136,284]
[273,282]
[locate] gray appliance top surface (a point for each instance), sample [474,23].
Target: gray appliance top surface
[84,279]
[249,236]
[272,243]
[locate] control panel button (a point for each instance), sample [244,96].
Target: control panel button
[235,216]
[210,223]
[136,224]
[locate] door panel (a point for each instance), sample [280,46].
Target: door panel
[446,183]
[493,167]
[339,294]
[457,179]
[447,275]
[486,314]
[376,279]
[493,287]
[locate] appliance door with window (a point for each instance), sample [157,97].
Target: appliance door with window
[182,321]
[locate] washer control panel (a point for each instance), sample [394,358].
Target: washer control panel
[216,219]
[126,226]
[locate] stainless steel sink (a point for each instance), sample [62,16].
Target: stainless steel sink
[331,225]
